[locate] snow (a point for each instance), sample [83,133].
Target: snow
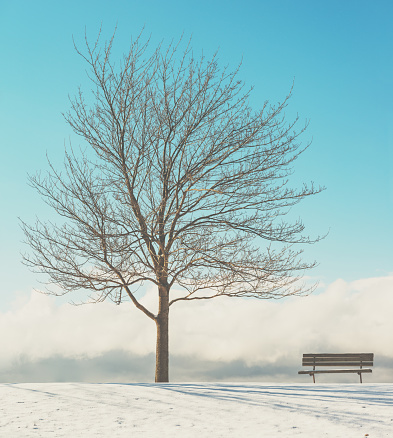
[195,410]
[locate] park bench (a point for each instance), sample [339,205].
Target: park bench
[358,360]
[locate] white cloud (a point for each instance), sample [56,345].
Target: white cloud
[345,316]
[40,329]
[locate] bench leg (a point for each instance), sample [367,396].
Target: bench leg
[313,378]
[360,375]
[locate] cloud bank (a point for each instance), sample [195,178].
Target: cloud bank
[221,339]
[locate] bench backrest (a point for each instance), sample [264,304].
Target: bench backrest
[338,359]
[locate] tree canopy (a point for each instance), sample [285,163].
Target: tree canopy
[182,184]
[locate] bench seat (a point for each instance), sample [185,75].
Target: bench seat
[362,370]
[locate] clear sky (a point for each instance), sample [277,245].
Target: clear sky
[339,53]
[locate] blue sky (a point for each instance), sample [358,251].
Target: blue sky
[340,55]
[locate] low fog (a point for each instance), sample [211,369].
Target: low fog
[218,340]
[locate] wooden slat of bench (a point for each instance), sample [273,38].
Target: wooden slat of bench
[337,364]
[337,359]
[362,356]
[363,370]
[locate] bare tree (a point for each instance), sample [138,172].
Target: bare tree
[181,184]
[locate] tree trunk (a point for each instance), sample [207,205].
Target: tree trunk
[162,347]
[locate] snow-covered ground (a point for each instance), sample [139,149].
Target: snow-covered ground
[195,410]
